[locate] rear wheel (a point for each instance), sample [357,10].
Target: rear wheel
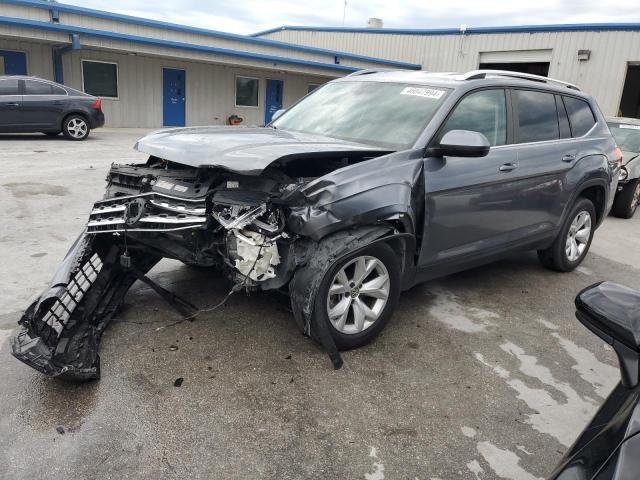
[75,127]
[626,201]
[358,295]
[573,242]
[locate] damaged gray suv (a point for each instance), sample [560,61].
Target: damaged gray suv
[367,186]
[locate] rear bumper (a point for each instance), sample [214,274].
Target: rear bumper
[96,119]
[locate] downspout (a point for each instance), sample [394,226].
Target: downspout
[58,75]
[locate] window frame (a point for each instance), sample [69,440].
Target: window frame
[509,123]
[82,62]
[235,90]
[516,123]
[595,118]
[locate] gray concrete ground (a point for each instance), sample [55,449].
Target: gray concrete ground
[481,375]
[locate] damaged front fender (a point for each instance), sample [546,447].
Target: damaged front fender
[361,194]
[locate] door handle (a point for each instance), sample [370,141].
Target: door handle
[507,167]
[568,158]
[57,102]
[12,104]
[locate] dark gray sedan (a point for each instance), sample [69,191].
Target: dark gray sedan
[29,104]
[626,131]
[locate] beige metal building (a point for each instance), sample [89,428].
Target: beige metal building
[152,73]
[603,59]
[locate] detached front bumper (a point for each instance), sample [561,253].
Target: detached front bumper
[61,331]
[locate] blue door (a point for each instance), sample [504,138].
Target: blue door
[13,63]
[173,97]
[273,99]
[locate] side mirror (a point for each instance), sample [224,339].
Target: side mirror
[461,143]
[612,312]
[276,114]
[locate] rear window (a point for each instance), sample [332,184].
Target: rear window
[537,116]
[9,87]
[37,88]
[580,116]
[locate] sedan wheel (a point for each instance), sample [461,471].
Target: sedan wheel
[358,294]
[578,236]
[76,128]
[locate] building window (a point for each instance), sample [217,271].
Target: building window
[100,78]
[311,87]
[247,89]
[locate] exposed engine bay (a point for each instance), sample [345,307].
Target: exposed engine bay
[260,221]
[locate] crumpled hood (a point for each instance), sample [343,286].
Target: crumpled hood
[246,150]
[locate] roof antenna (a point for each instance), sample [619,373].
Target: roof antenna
[344,12]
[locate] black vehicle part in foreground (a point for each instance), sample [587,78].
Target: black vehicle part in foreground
[609,447]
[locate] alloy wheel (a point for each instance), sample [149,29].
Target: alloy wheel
[636,197]
[578,236]
[358,294]
[77,127]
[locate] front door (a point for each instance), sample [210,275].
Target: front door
[273,99]
[173,97]
[13,63]
[10,102]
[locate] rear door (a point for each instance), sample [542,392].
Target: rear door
[42,105]
[546,152]
[10,101]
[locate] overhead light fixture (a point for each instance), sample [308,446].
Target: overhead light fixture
[584,55]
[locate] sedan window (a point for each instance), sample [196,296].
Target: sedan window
[32,87]
[484,112]
[9,87]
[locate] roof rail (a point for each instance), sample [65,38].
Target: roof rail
[475,74]
[369,71]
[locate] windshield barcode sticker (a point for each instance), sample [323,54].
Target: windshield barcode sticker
[422,92]
[634,127]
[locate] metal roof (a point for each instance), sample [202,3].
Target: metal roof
[89,12]
[575,27]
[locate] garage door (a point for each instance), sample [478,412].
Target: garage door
[516,56]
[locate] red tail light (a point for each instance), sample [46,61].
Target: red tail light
[97,105]
[617,153]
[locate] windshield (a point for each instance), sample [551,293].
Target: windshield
[627,136]
[389,115]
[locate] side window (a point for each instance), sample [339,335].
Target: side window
[537,116]
[37,88]
[485,112]
[9,87]
[580,116]
[58,90]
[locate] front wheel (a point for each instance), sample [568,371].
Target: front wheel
[626,201]
[573,242]
[75,127]
[358,295]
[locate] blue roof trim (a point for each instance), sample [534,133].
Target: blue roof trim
[56,27]
[61,7]
[577,27]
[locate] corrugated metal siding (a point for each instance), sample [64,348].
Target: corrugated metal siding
[602,76]
[39,56]
[210,89]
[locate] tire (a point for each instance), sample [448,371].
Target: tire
[75,127]
[560,256]
[352,335]
[626,201]
[51,134]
